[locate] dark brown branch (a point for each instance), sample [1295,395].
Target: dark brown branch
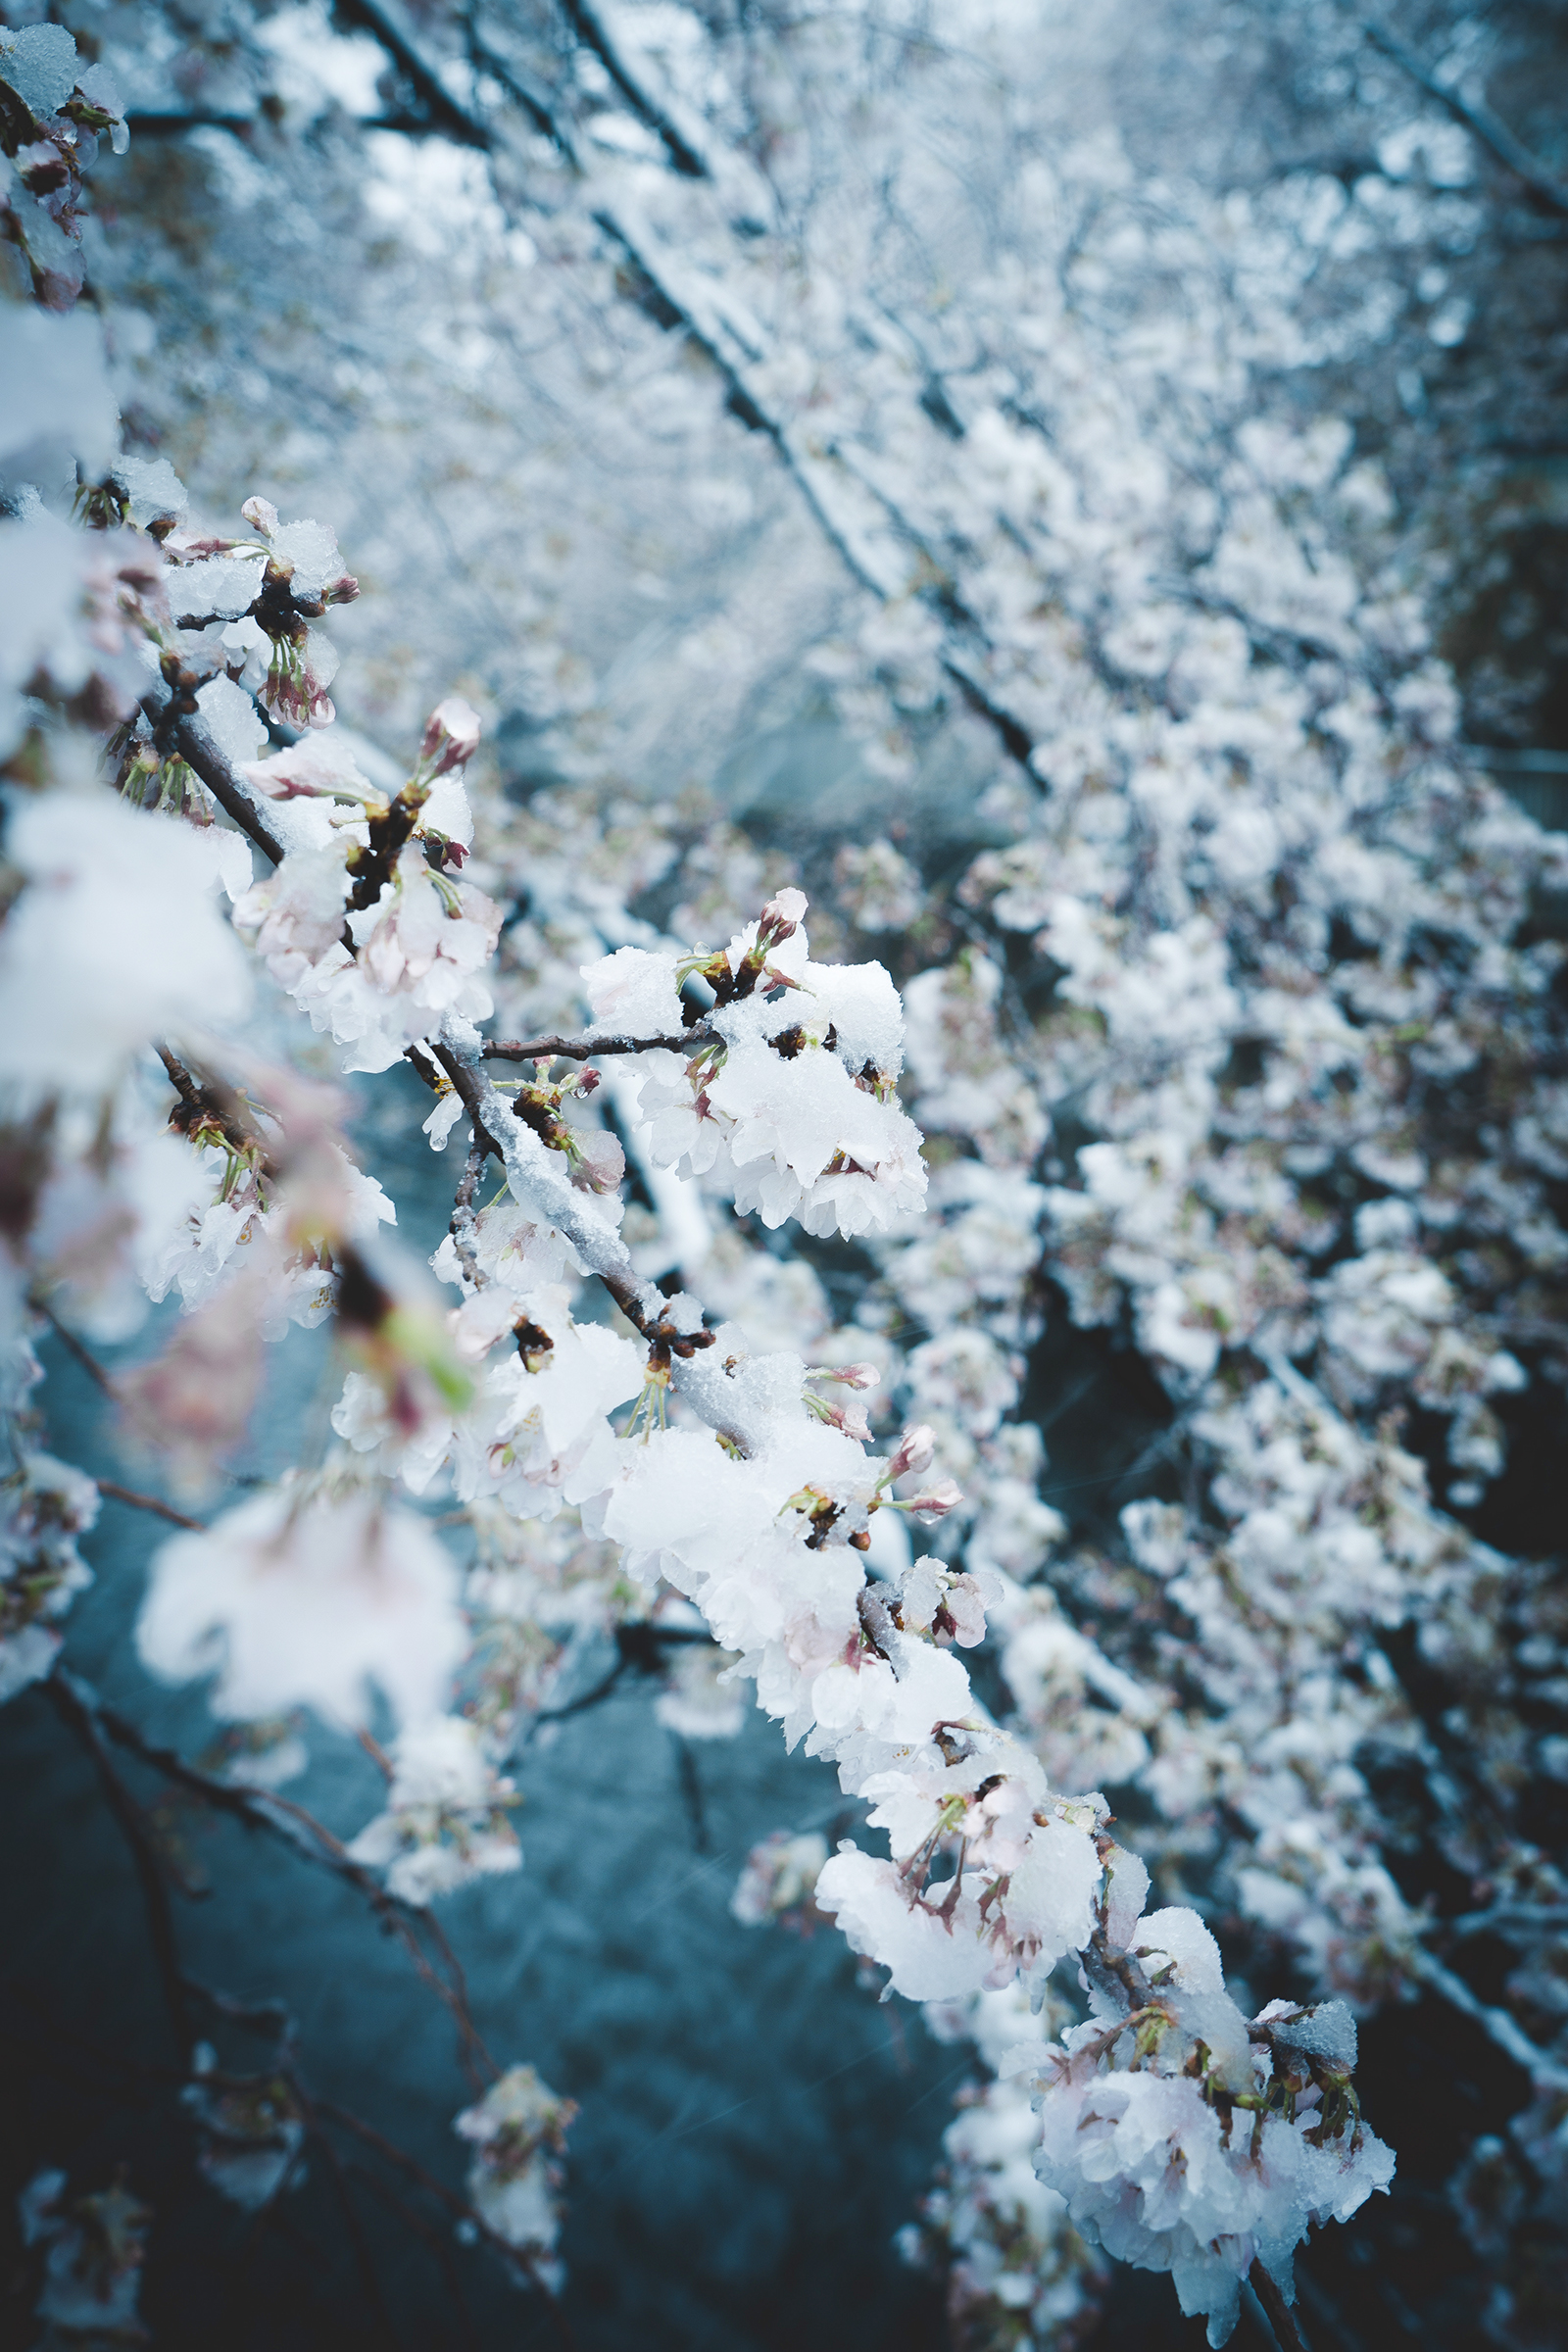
[516,2257]
[1281,2315]
[85,1720]
[441,109]
[582,1048]
[204,1103]
[1479,121]
[312,1840]
[146,1502]
[585,21]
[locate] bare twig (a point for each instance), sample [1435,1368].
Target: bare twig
[85,1719]
[146,1502]
[585,22]
[364,2261]
[581,1048]
[442,110]
[516,2257]
[1496,2024]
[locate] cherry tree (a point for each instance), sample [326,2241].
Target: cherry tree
[1237,1018]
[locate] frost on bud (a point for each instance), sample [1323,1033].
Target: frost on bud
[778,1885]
[915,1452]
[451,735]
[937,1501]
[515,2129]
[781,918]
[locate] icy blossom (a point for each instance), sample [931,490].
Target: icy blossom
[46,1506]
[793,1100]
[516,2132]
[780,1881]
[92,2264]
[305,1595]
[444,1820]
[1226,2142]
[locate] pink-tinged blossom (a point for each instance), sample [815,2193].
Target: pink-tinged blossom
[451,736]
[914,1451]
[307,1595]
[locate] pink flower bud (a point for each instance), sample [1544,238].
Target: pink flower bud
[848,1376]
[450,734]
[780,918]
[850,1418]
[262,514]
[916,1450]
[941,1500]
[343,591]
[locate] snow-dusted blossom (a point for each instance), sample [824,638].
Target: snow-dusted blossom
[444,1820]
[779,1880]
[305,1596]
[93,2247]
[794,1099]
[114,941]
[45,1506]
[516,2132]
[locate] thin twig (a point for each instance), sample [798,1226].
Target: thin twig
[86,1722]
[364,2261]
[1496,2023]
[147,1502]
[581,1048]
[74,1347]
[516,2257]
[440,2251]
[441,108]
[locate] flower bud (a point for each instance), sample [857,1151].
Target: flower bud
[780,918]
[451,735]
[941,1500]
[916,1450]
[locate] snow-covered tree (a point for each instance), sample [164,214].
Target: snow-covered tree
[872,383]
